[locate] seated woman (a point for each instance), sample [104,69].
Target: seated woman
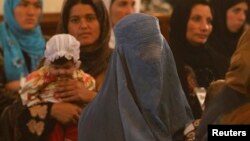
[21,41]
[88,22]
[191,25]
[230,17]
[142,98]
[21,48]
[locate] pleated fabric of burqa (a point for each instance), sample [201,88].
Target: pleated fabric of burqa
[142,98]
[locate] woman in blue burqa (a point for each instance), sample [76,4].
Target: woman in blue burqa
[142,98]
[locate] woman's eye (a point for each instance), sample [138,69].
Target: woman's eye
[74,20]
[196,18]
[90,18]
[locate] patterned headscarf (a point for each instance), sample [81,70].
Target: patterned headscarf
[14,41]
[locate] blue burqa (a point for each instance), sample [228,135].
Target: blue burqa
[142,98]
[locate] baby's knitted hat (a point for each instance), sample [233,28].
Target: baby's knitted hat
[62,45]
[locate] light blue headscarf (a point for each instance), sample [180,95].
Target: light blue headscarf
[14,40]
[142,98]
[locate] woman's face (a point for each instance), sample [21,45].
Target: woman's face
[27,14]
[199,24]
[121,8]
[83,24]
[236,16]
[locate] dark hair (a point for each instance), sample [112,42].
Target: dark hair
[95,56]
[61,60]
[181,48]
[220,8]
[97,5]
[180,17]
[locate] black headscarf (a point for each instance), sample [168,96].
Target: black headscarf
[141,99]
[186,54]
[197,57]
[221,39]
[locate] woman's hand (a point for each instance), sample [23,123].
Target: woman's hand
[74,91]
[66,113]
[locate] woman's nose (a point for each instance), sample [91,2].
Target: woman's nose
[205,26]
[242,16]
[130,9]
[31,10]
[83,24]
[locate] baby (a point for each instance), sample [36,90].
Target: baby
[61,63]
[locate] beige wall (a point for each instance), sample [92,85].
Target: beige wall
[50,6]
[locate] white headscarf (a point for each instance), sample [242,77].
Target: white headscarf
[107,3]
[137,5]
